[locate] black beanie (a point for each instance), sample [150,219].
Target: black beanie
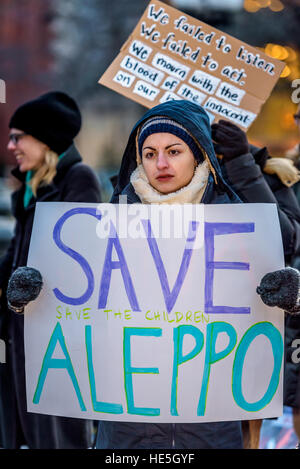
[158,124]
[53,118]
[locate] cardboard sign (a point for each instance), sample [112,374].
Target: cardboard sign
[150,314]
[171,55]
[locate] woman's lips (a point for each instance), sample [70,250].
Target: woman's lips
[164,178]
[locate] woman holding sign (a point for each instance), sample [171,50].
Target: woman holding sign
[49,169]
[170,159]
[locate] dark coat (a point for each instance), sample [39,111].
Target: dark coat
[245,174]
[221,435]
[292,336]
[74,182]
[247,177]
[291,389]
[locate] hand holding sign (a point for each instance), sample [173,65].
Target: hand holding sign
[281,288]
[24,286]
[230,140]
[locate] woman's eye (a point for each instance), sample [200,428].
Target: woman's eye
[149,154]
[174,152]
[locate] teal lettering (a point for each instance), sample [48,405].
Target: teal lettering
[211,356]
[178,335]
[57,363]
[97,405]
[267,329]
[129,370]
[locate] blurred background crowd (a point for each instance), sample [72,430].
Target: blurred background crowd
[67,45]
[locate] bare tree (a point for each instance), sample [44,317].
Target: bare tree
[87,37]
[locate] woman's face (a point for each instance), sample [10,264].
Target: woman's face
[28,151]
[168,162]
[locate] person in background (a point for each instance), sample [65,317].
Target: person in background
[49,168]
[292,325]
[293,155]
[258,178]
[281,288]
[294,152]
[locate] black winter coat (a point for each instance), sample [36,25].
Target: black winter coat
[246,175]
[74,182]
[292,337]
[213,435]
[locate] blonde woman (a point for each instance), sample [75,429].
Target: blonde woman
[49,168]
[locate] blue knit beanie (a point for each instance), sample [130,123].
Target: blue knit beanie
[160,124]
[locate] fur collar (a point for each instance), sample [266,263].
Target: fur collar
[190,194]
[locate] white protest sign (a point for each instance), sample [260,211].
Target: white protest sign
[149,313]
[171,55]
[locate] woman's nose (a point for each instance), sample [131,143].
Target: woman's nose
[11,145]
[162,161]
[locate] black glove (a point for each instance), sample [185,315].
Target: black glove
[24,286]
[281,288]
[229,140]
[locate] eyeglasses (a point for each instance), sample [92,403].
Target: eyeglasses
[14,138]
